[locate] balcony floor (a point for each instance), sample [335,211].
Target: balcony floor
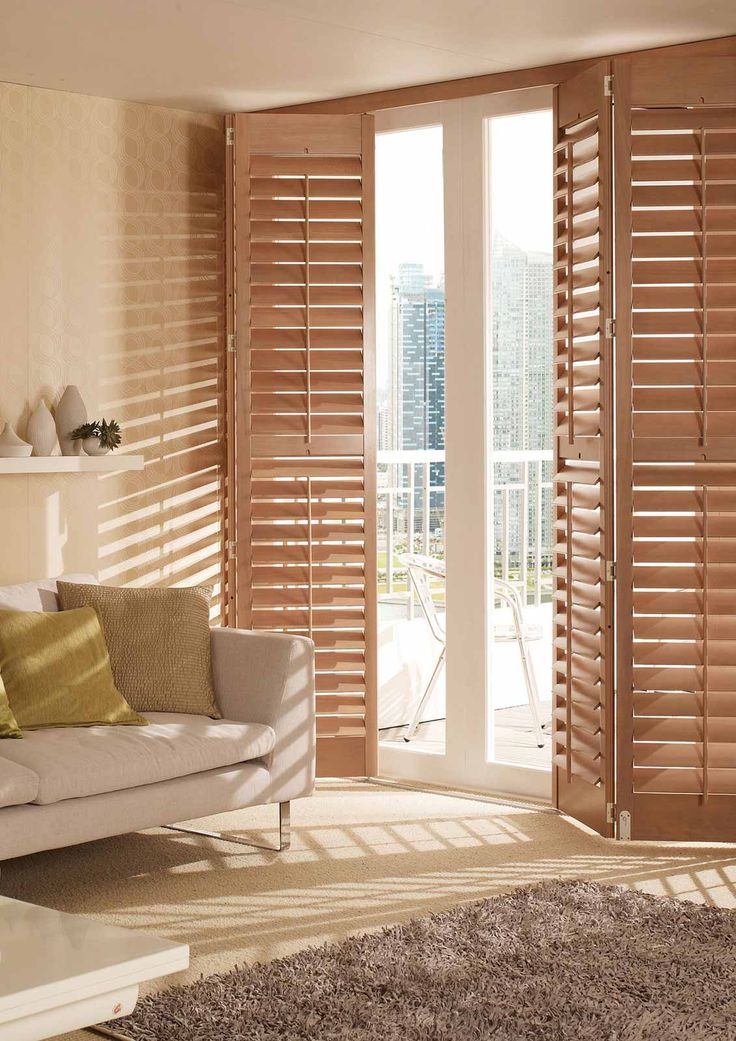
[514,737]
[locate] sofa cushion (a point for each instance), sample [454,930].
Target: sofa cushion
[159,643]
[37,596]
[55,670]
[18,784]
[74,762]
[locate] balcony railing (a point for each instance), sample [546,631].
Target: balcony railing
[411,500]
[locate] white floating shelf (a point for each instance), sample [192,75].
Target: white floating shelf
[71,464]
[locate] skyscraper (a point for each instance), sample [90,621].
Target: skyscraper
[418,377]
[418,359]
[521,304]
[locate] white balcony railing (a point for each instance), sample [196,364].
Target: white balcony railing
[411,498]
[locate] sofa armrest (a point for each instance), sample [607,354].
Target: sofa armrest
[262,677]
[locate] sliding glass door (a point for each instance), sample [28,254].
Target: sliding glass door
[464,381]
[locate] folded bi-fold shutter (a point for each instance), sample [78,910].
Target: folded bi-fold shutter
[583,660]
[676,343]
[305,450]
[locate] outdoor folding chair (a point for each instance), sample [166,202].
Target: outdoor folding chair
[421,570]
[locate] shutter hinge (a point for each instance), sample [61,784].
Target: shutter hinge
[608,86]
[610,328]
[231,343]
[229,135]
[610,571]
[610,813]
[232,548]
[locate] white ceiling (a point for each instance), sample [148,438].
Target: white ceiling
[237,55]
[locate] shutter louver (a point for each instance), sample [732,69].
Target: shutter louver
[306,463]
[677,299]
[582,689]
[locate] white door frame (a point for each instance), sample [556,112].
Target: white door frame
[468,497]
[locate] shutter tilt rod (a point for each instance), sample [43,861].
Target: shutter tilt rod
[704,276]
[570,311]
[308,323]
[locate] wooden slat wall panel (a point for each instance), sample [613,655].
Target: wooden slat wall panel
[677,340]
[582,688]
[306,539]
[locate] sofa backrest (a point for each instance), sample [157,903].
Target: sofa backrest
[37,596]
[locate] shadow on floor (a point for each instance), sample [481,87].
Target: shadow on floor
[363,856]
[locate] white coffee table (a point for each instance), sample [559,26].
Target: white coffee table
[60,972]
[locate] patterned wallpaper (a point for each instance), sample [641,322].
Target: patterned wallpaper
[111,277]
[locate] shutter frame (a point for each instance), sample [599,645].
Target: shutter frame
[583,767]
[676,344]
[305,516]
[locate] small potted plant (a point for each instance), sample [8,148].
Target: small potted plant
[98,437]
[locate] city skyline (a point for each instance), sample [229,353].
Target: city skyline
[411,334]
[521,317]
[412,403]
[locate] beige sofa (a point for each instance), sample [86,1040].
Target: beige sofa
[62,786]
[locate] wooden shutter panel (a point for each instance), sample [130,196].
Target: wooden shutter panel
[305,410]
[676,346]
[583,659]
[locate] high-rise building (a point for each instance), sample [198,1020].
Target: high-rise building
[418,359]
[418,378]
[521,304]
[414,415]
[523,372]
[411,278]
[384,426]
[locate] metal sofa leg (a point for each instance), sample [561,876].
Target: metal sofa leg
[284,825]
[284,832]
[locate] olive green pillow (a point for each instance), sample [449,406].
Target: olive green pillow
[56,671]
[8,724]
[159,643]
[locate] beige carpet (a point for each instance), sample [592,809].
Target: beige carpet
[363,856]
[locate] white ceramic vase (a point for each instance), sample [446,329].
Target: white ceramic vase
[42,431]
[70,414]
[12,446]
[92,446]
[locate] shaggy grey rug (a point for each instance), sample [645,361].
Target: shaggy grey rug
[557,961]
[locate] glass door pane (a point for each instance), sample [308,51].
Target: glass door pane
[519,172]
[410,323]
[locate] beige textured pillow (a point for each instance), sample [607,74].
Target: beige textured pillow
[158,641]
